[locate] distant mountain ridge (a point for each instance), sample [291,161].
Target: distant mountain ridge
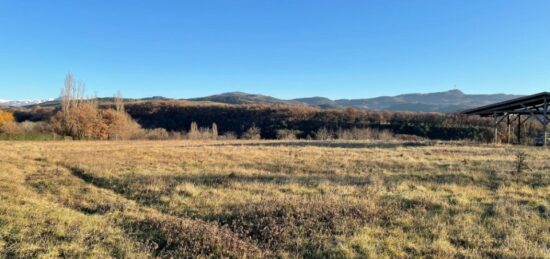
[449,101]
[19,103]
[322,102]
[238,98]
[446,102]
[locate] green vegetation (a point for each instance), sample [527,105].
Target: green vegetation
[272,199]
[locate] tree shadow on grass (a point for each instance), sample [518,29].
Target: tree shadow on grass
[129,184]
[489,180]
[436,178]
[273,226]
[214,179]
[133,186]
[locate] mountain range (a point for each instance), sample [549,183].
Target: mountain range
[21,103]
[448,101]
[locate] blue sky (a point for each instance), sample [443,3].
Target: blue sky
[283,48]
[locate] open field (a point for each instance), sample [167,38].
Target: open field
[272,199]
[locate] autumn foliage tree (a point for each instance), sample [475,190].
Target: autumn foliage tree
[82,118]
[7,121]
[82,121]
[120,124]
[6,117]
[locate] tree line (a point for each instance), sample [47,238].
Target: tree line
[78,117]
[278,121]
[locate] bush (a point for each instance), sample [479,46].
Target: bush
[252,133]
[230,135]
[364,134]
[202,133]
[120,125]
[287,134]
[27,130]
[156,134]
[177,135]
[26,127]
[323,134]
[193,131]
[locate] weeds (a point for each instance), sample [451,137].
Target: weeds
[521,162]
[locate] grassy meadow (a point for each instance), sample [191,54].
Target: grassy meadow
[285,199]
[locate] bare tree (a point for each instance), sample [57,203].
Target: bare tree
[119,102]
[71,94]
[193,131]
[67,93]
[214,131]
[323,134]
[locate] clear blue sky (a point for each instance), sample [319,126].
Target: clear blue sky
[283,48]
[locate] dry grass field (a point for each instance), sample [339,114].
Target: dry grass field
[272,199]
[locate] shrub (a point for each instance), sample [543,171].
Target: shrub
[26,130]
[25,127]
[252,133]
[323,134]
[156,134]
[521,162]
[120,125]
[193,131]
[202,133]
[288,134]
[176,135]
[364,134]
[230,135]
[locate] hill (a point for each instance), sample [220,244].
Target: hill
[449,101]
[445,102]
[21,103]
[322,102]
[239,98]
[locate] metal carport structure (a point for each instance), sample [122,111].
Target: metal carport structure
[520,109]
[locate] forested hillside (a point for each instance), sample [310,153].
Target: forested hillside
[306,121]
[273,121]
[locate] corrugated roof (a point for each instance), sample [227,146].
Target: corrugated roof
[511,106]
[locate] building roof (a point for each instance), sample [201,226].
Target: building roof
[523,105]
